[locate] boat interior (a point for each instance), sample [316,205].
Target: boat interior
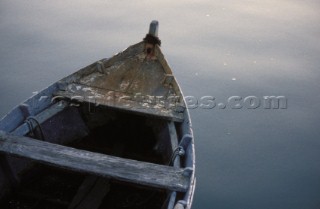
[27,183]
[115,134]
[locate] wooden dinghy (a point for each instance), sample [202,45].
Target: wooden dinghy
[115,134]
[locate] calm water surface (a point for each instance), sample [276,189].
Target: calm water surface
[246,158]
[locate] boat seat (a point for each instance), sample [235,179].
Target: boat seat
[148,174]
[141,104]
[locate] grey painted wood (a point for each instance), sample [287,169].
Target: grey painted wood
[179,206]
[172,200]
[41,117]
[133,171]
[10,121]
[174,142]
[42,100]
[176,162]
[36,103]
[93,189]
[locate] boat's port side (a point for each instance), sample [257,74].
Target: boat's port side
[59,124]
[30,107]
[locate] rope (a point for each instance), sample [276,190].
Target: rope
[178,151]
[152,39]
[32,128]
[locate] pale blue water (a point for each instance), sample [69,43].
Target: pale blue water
[246,158]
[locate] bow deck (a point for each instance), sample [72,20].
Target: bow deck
[130,81]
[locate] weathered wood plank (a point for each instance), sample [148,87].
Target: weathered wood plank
[93,189]
[133,171]
[38,103]
[10,121]
[121,101]
[176,162]
[174,142]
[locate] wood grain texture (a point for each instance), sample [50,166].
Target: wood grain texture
[133,171]
[93,189]
[129,81]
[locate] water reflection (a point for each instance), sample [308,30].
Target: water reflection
[245,158]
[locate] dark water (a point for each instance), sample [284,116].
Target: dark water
[246,158]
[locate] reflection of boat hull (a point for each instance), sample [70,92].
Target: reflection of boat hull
[115,134]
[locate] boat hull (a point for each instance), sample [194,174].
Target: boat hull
[144,95]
